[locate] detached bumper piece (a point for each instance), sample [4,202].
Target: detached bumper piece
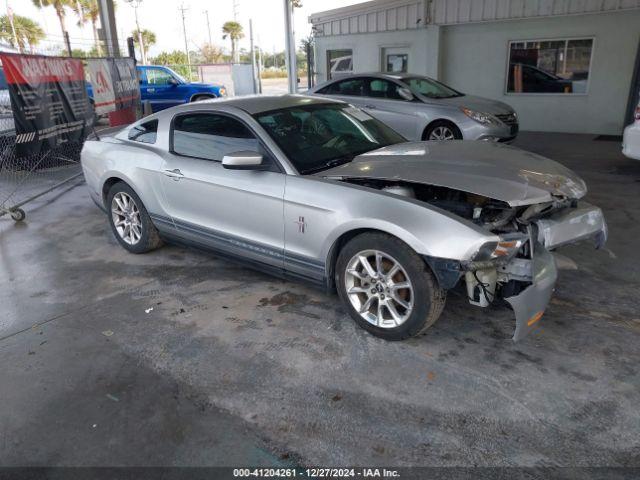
[569,226]
[530,304]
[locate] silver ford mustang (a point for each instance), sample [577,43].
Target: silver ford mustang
[316,189]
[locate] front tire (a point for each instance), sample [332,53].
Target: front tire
[442,130]
[130,221]
[387,288]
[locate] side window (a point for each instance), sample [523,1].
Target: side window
[145,132]
[379,88]
[353,87]
[157,76]
[210,136]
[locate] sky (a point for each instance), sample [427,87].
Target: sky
[163,17]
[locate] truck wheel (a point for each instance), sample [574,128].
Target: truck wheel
[387,288]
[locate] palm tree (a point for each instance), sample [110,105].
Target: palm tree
[28,32]
[148,39]
[233,30]
[59,6]
[88,10]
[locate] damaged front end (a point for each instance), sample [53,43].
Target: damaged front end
[519,268]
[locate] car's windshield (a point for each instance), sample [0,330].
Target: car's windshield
[177,76]
[430,88]
[317,137]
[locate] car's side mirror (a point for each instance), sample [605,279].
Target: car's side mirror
[245,160]
[173,81]
[406,94]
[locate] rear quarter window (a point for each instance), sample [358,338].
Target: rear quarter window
[145,132]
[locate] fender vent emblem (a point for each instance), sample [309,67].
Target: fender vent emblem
[302,225]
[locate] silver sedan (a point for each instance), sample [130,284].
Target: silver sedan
[317,190]
[421,108]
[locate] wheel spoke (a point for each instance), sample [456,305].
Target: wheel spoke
[406,305]
[379,316]
[397,318]
[367,266]
[367,305]
[356,273]
[358,290]
[395,269]
[400,286]
[379,267]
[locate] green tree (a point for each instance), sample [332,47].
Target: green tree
[59,6]
[177,60]
[233,30]
[148,39]
[89,11]
[28,32]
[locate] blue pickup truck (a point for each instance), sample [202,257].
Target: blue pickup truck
[164,88]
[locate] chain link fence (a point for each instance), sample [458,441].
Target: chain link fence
[25,178]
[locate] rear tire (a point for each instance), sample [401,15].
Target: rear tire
[398,279]
[442,130]
[129,220]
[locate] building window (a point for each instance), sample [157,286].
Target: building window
[145,132]
[339,61]
[549,66]
[397,62]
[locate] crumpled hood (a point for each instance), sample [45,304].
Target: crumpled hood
[493,170]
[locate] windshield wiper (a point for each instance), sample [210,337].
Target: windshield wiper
[334,162]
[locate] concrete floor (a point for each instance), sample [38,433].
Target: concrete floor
[180,358]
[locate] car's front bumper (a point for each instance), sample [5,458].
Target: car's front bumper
[530,304]
[492,133]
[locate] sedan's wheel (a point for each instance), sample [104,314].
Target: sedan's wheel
[126,218]
[394,296]
[130,221]
[443,130]
[379,288]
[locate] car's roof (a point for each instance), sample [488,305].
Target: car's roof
[253,104]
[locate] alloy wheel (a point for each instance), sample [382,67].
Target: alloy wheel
[126,218]
[379,288]
[442,133]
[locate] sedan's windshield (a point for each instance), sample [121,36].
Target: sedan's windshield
[317,137]
[428,87]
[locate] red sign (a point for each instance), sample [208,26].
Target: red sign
[34,69]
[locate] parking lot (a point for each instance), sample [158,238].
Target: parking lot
[180,358]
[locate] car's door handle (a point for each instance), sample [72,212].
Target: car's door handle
[176,174]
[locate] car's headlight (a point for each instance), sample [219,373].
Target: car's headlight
[223,91]
[480,117]
[504,249]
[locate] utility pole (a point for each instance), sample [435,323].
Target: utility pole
[206,13]
[108,22]
[290,47]
[253,57]
[143,54]
[13,27]
[236,6]
[186,43]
